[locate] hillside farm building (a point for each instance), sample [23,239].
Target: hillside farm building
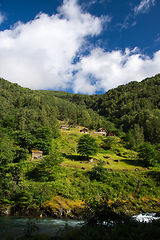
[36,154]
[84,130]
[101,131]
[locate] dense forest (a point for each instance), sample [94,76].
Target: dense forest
[127,108]
[29,117]
[133,108]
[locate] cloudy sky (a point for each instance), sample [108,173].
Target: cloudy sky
[79,46]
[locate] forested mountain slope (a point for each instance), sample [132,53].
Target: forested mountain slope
[30,117]
[133,108]
[41,108]
[130,107]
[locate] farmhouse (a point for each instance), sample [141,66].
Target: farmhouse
[36,154]
[101,131]
[84,130]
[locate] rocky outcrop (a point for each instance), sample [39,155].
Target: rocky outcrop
[63,208]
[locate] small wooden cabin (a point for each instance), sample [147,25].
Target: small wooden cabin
[36,154]
[84,130]
[102,130]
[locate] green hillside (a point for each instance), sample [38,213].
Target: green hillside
[127,106]
[124,169]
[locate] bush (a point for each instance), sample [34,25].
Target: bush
[20,154]
[98,172]
[147,154]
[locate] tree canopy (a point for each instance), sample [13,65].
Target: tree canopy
[87,146]
[147,154]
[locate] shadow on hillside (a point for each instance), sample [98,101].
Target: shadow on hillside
[155,175]
[135,163]
[34,174]
[73,157]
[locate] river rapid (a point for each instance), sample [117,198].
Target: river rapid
[16,226]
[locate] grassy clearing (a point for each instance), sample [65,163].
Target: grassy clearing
[67,145]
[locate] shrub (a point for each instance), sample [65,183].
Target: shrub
[147,154]
[98,172]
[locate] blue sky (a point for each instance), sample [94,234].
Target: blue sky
[79,46]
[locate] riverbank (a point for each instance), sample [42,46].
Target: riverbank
[18,227]
[58,207]
[61,208]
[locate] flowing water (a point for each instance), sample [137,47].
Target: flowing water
[147,217]
[11,226]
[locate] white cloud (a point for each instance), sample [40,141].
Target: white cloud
[40,54]
[111,69]
[144,6]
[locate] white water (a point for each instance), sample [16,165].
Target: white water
[147,217]
[11,226]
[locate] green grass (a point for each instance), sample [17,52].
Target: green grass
[67,145]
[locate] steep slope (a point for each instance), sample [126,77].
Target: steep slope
[130,106]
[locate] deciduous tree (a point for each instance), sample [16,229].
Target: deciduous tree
[87,146]
[147,154]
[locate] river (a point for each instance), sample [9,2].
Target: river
[11,226]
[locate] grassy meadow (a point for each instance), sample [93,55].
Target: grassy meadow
[67,145]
